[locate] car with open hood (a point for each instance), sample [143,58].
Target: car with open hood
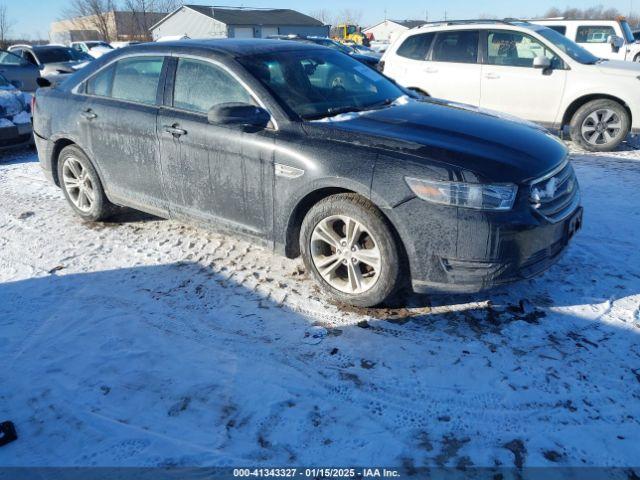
[375,187]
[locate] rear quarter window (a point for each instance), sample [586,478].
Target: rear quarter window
[416,47]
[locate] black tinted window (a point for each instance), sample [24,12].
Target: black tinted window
[416,47]
[201,85]
[558,28]
[136,79]
[456,46]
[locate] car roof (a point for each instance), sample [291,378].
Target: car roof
[477,24]
[226,46]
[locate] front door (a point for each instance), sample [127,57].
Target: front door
[453,71]
[119,118]
[510,84]
[215,173]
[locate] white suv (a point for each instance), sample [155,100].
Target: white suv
[612,39]
[525,70]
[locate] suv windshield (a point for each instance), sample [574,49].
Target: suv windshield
[572,49]
[60,54]
[321,83]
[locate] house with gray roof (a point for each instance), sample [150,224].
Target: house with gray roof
[198,21]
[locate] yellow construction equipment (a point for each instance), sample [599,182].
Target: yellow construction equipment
[346,33]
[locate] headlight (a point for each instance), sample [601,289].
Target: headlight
[468,195]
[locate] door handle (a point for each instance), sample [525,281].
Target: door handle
[89,114]
[431,70]
[492,76]
[174,130]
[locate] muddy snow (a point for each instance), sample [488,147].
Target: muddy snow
[145,342]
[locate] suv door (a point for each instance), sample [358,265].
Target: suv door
[213,172]
[595,38]
[118,121]
[409,62]
[512,85]
[453,69]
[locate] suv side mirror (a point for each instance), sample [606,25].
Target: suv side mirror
[243,114]
[542,62]
[616,42]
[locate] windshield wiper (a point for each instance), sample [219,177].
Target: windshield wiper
[332,112]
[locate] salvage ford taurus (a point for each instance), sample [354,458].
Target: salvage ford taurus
[373,187]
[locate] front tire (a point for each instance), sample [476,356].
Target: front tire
[81,185]
[600,125]
[350,250]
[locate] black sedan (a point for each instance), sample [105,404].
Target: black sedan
[374,188]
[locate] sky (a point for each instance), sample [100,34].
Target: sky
[31,18]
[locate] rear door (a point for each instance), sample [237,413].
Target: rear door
[119,120]
[408,65]
[453,69]
[216,173]
[510,84]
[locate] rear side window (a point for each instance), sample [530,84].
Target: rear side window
[416,47]
[136,79]
[201,85]
[594,34]
[100,84]
[458,46]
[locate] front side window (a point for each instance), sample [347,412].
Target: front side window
[8,58]
[201,85]
[594,34]
[416,47]
[318,83]
[514,49]
[459,46]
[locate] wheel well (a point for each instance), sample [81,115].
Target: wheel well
[55,154]
[576,104]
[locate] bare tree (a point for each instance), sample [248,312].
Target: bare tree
[142,14]
[6,24]
[592,13]
[94,14]
[324,15]
[351,16]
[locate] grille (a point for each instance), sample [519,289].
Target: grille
[556,195]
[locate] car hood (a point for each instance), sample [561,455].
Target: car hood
[460,136]
[64,67]
[619,67]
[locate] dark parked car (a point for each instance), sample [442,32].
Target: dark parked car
[22,74]
[372,187]
[52,60]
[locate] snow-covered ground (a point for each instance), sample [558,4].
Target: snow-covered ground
[145,342]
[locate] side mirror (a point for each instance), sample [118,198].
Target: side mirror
[43,82]
[242,114]
[542,62]
[616,42]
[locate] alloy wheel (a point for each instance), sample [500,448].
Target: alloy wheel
[345,254]
[601,127]
[78,184]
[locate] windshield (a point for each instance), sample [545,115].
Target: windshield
[572,49]
[62,54]
[320,83]
[628,33]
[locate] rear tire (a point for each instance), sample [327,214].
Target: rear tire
[600,125]
[350,250]
[81,185]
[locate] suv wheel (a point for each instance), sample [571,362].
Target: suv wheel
[600,125]
[81,185]
[350,250]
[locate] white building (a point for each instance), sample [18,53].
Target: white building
[389,30]
[198,21]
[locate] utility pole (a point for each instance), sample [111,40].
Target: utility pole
[445,15]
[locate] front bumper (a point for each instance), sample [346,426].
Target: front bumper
[16,136]
[471,251]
